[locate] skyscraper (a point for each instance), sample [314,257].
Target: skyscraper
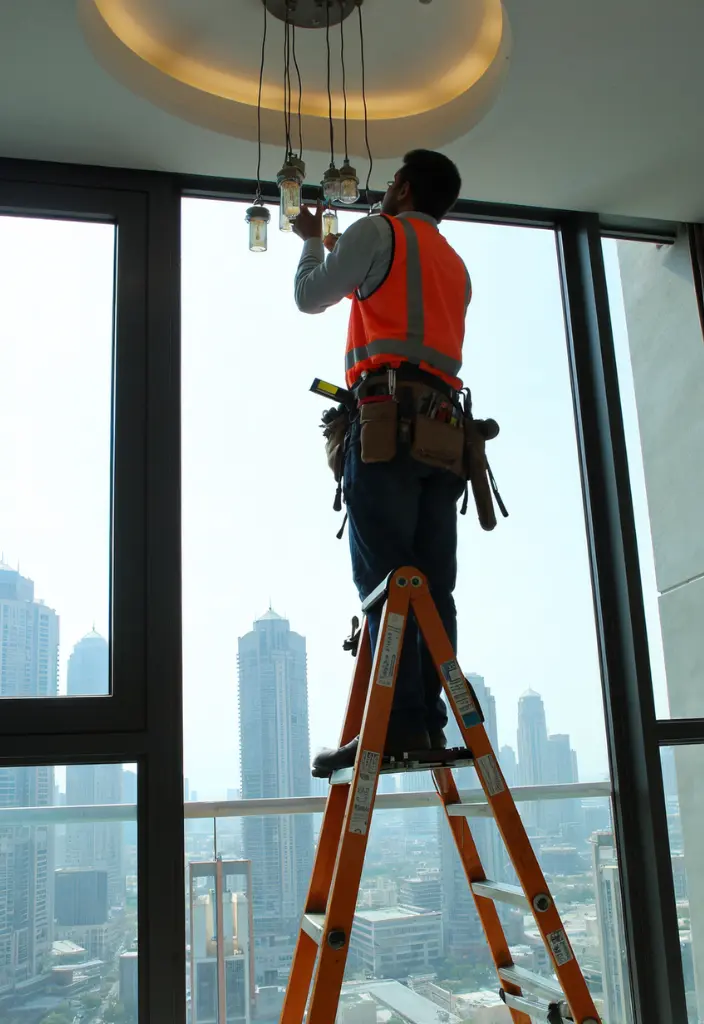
[221,966]
[611,929]
[275,760]
[29,655]
[461,927]
[509,765]
[89,667]
[561,770]
[95,845]
[532,754]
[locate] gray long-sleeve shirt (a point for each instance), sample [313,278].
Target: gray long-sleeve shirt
[359,262]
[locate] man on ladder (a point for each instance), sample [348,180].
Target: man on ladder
[410,448]
[402,466]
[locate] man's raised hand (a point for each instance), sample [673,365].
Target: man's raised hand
[309,225]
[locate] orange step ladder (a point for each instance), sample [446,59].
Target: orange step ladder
[323,941]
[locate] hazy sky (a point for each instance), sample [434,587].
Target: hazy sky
[258,520]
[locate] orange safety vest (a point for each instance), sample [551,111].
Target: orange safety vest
[417,314]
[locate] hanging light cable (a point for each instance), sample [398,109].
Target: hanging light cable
[290,177]
[331,178]
[257,216]
[364,102]
[349,182]
[300,92]
[287,83]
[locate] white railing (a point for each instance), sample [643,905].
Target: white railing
[474,805]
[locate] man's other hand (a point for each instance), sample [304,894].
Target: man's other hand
[330,241]
[309,225]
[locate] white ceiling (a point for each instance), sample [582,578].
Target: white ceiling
[601,110]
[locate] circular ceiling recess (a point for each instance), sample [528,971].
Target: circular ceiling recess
[433,70]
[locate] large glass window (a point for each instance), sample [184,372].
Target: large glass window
[56,326]
[68,894]
[268,594]
[660,354]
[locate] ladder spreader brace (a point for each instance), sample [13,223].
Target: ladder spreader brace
[323,941]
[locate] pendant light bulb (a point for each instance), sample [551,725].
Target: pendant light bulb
[330,224]
[290,179]
[331,185]
[349,184]
[258,218]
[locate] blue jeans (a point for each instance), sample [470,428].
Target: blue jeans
[405,513]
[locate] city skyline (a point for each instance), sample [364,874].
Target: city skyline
[90,658]
[272,686]
[64,886]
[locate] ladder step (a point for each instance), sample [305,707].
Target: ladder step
[538,1010]
[532,982]
[312,925]
[502,892]
[421,761]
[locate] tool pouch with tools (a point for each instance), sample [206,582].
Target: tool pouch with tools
[438,444]
[378,423]
[336,423]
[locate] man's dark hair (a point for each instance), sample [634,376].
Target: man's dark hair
[434,181]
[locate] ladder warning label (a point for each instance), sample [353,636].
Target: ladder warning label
[364,794]
[560,947]
[461,693]
[490,773]
[388,655]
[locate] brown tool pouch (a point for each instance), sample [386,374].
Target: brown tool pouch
[378,431]
[334,432]
[438,444]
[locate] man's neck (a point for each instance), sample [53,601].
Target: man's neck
[417,215]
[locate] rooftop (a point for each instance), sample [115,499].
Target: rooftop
[270,616]
[392,914]
[404,1002]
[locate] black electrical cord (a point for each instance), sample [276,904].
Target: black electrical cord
[344,74]
[258,194]
[300,92]
[327,43]
[364,101]
[287,84]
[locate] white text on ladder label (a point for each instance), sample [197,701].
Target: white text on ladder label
[560,947]
[364,794]
[461,693]
[388,655]
[490,773]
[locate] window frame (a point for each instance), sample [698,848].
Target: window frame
[141,721]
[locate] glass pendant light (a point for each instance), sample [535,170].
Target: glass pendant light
[330,225]
[258,218]
[290,179]
[349,184]
[331,185]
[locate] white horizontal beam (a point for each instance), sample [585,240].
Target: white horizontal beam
[474,805]
[472,799]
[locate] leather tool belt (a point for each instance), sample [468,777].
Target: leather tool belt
[416,412]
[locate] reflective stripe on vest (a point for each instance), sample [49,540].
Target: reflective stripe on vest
[412,347]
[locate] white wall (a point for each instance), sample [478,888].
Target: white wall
[667,357]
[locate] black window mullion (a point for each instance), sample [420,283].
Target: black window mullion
[639,807]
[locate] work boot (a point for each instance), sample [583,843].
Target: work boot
[398,743]
[438,740]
